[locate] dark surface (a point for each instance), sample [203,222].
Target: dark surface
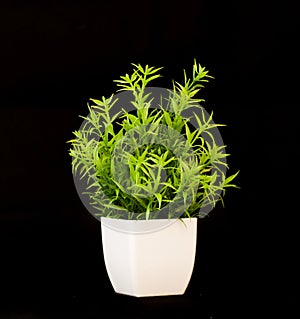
[54,57]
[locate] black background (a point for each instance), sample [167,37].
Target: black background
[55,55]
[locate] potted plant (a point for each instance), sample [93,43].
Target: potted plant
[147,162]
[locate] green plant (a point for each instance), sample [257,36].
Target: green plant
[151,163]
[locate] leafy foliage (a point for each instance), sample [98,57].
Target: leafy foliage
[175,167]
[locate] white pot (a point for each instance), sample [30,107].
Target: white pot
[149,258]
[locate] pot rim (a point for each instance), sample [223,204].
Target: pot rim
[142,226]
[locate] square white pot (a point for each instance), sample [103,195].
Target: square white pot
[149,258]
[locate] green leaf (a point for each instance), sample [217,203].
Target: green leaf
[230,178]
